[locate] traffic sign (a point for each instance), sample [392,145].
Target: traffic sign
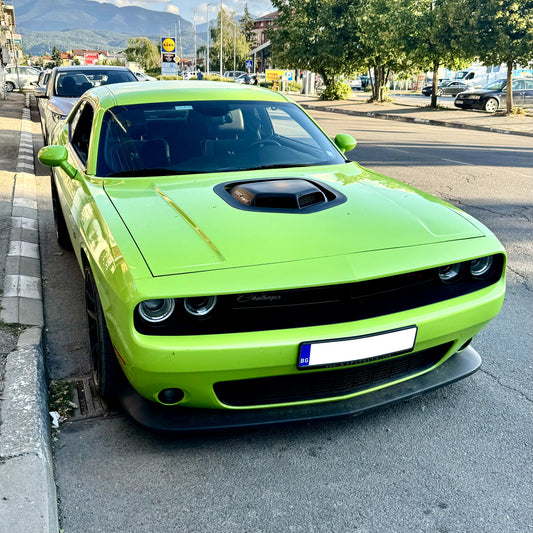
[249,63]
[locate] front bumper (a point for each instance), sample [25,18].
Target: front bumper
[182,419]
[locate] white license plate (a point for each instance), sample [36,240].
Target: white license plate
[347,351]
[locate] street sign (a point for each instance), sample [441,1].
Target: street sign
[169,58]
[249,63]
[90,58]
[278,74]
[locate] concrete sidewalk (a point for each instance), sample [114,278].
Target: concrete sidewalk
[404,110]
[27,488]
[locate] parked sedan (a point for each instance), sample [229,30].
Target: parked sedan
[240,270]
[66,84]
[492,97]
[23,78]
[448,88]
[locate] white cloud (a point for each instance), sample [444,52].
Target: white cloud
[175,10]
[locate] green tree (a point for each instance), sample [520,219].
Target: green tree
[433,32]
[233,42]
[311,35]
[247,25]
[378,30]
[56,57]
[501,31]
[143,51]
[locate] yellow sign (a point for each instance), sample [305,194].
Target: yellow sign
[168,44]
[273,74]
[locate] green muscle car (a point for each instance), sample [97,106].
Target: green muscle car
[240,270]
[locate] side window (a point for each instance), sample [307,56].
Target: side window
[529,84]
[470,76]
[80,129]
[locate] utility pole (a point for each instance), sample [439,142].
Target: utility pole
[234,47]
[194,35]
[221,30]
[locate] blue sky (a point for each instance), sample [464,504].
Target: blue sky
[186,8]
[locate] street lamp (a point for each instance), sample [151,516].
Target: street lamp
[208,40]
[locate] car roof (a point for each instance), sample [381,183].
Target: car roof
[172,91]
[91,67]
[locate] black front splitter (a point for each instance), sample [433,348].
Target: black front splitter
[182,419]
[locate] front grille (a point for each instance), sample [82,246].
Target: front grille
[308,385]
[315,306]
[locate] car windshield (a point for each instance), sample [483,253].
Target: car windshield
[209,136]
[73,83]
[497,85]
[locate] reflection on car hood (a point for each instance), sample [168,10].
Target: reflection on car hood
[181,225]
[63,105]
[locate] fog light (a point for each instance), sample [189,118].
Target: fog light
[156,310]
[200,306]
[450,273]
[481,268]
[170,396]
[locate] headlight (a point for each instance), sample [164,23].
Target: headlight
[474,97]
[57,116]
[201,306]
[450,273]
[481,268]
[156,310]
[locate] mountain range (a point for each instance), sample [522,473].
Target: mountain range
[70,24]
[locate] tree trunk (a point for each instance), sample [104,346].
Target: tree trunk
[509,95]
[435,84]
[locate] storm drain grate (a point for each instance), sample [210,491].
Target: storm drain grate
[84,395]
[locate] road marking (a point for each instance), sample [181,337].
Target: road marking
[23,249]
[22,287]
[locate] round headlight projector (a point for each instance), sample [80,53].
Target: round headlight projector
[200,306]
[450,273]
[156,310]
[481,268]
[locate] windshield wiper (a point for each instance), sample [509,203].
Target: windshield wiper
[286,165]
[139,172]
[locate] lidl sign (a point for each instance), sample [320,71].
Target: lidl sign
[168,44]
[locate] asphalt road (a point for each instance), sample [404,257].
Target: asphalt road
[455,460]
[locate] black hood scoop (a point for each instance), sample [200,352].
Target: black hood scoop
[280,195]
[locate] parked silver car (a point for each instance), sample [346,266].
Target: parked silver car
[26,75]
[67,84]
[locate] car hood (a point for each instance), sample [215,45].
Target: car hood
[481,92]
[63,105]
[180,224]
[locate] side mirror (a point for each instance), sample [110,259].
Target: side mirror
[345,142]
[57,156]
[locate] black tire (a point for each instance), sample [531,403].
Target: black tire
[103,361]
[10,86]
[439,92]
[62,236]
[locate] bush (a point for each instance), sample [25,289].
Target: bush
[336,91]
[295,86]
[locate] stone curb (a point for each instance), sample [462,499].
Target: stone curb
[430,122]
[29,500]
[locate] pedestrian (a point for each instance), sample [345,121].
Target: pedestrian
[199,75]
[256,80]
[247,78]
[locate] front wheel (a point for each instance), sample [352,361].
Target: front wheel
[10,86]
[439,92]
[104,364]
[491,105]
[62,236]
